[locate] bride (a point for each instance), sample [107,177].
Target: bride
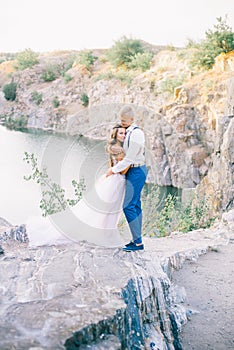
[95,217]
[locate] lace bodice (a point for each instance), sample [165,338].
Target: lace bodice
[115,158]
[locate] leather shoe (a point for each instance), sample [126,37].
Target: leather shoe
[133,247]
[129,244]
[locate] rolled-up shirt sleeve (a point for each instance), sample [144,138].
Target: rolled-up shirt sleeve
[134,153]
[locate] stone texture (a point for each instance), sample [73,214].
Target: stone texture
[183,130]
[219,182]
[16,233]
[84,296]
[229,108]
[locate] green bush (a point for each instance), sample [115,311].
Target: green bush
[161,220]
[195,215]
[16,123]
[50,73]
[53,71]
[36,97]
[26,59]
[123,51]
[218,40]
[141,61]
[167,217]
[170,47]
[150,207]
[121,74]
[67,78]
[168,85]
[84,99]
[56,102]
[9,91]
[7,57]
[125,76]
[108,75]
[86,58]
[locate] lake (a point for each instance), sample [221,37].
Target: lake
[65,157]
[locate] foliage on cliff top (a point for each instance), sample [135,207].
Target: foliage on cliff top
[26,59]
[86,58]
[217,40]
[130,53]
[123,50]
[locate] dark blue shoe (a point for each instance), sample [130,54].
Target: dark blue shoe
[133,247]
[129,244]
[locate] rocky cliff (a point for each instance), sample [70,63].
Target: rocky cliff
[185,113]
[81,296]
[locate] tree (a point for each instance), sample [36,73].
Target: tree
[222,37]
[86,58]
[26,59]
[218,40]
[122,52]
[141,61]
[9,91]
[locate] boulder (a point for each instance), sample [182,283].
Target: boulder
[81,295]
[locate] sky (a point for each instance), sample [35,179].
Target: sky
[47,25]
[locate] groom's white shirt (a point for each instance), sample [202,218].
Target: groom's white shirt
[135,152]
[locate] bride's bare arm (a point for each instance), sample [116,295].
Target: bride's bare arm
[109,172]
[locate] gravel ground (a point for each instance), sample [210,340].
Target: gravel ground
[209,285]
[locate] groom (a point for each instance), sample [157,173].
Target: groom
[134,148]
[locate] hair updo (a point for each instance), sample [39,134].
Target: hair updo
[114,132]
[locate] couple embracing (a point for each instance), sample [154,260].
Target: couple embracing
[127,155]
[95,217]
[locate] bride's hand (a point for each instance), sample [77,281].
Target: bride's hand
[109,172]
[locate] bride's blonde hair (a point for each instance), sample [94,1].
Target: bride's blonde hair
[112,141]
[113,137]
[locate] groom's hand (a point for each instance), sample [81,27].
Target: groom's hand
[109,172]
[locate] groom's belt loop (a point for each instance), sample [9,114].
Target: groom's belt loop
[137,165]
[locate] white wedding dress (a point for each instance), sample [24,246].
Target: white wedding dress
[94,218]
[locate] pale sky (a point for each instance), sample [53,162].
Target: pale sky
[46,25]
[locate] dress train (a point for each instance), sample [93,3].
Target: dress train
[94,219]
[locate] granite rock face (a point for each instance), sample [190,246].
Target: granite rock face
[182,128]
[218,184]
[177,147]
[81,296]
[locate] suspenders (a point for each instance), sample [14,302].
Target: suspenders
[136,127]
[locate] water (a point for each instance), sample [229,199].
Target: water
[66,158]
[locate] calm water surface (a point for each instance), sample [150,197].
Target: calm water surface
[66,158]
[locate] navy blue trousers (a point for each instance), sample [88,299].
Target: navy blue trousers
[135,179]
